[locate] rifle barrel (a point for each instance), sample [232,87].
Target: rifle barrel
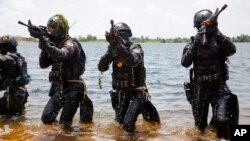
[223,8]
[21,23]
[112,22]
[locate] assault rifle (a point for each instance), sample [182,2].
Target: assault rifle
[117,38]
[213,19]
[41,29]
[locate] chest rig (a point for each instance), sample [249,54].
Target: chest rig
[71,69]
[125,77]
[208,63]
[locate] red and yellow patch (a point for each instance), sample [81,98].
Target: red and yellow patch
[70,46]
[119,64]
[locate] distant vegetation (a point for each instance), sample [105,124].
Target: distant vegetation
[241,38]
[142,39]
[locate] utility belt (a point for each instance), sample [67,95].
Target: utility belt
[19,81]
[212,68]
[115,94]
[56,76]
[208,78]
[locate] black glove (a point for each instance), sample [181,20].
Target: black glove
[35,32]
[111,38]
[211,27]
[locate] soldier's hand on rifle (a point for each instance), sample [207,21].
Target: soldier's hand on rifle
[110,37]
[211,26]
[34,31]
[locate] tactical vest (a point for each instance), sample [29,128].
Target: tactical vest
[23,77]
[71,69]
[125,77]
[209,62]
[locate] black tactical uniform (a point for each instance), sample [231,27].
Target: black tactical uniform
[208,85]
[13,78]
[128,79]
[68,64]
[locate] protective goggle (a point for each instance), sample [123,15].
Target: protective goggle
[52,28]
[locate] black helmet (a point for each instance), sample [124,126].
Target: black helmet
[123,27]
[124,32]
[58,26]
[7,43]
[201,16]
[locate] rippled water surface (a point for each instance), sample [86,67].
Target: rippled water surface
[165,77]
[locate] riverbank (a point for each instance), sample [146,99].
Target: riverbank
[142,39]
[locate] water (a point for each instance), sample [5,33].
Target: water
[165,77]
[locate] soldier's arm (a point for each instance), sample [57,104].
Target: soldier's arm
[105,60]
[187,56]
[225,44]
[131,58]
[44,60]
[70,49]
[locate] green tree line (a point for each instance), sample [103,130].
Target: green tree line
[144,39]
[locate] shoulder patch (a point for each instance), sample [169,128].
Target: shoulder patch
[70,46]
[2,57]
[136,50]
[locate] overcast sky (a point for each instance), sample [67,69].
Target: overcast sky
[153,18]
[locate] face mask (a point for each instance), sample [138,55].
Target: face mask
[124,35]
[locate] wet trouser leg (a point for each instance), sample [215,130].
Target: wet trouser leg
[135,108]
[200,106]
[13,103]
[121,106]
[52,108]
[17,101]
[3,106]
[220,104]
[71,103]
[16,106]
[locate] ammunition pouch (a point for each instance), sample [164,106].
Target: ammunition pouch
[150,113]
[22,80]
[120,84]
[208,78]
[189,91]
[234,109]
[225,72]
[114,98]
[201,69]
[54,76]
[86,109]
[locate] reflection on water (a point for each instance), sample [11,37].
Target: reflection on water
[101,129]
[165,78]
